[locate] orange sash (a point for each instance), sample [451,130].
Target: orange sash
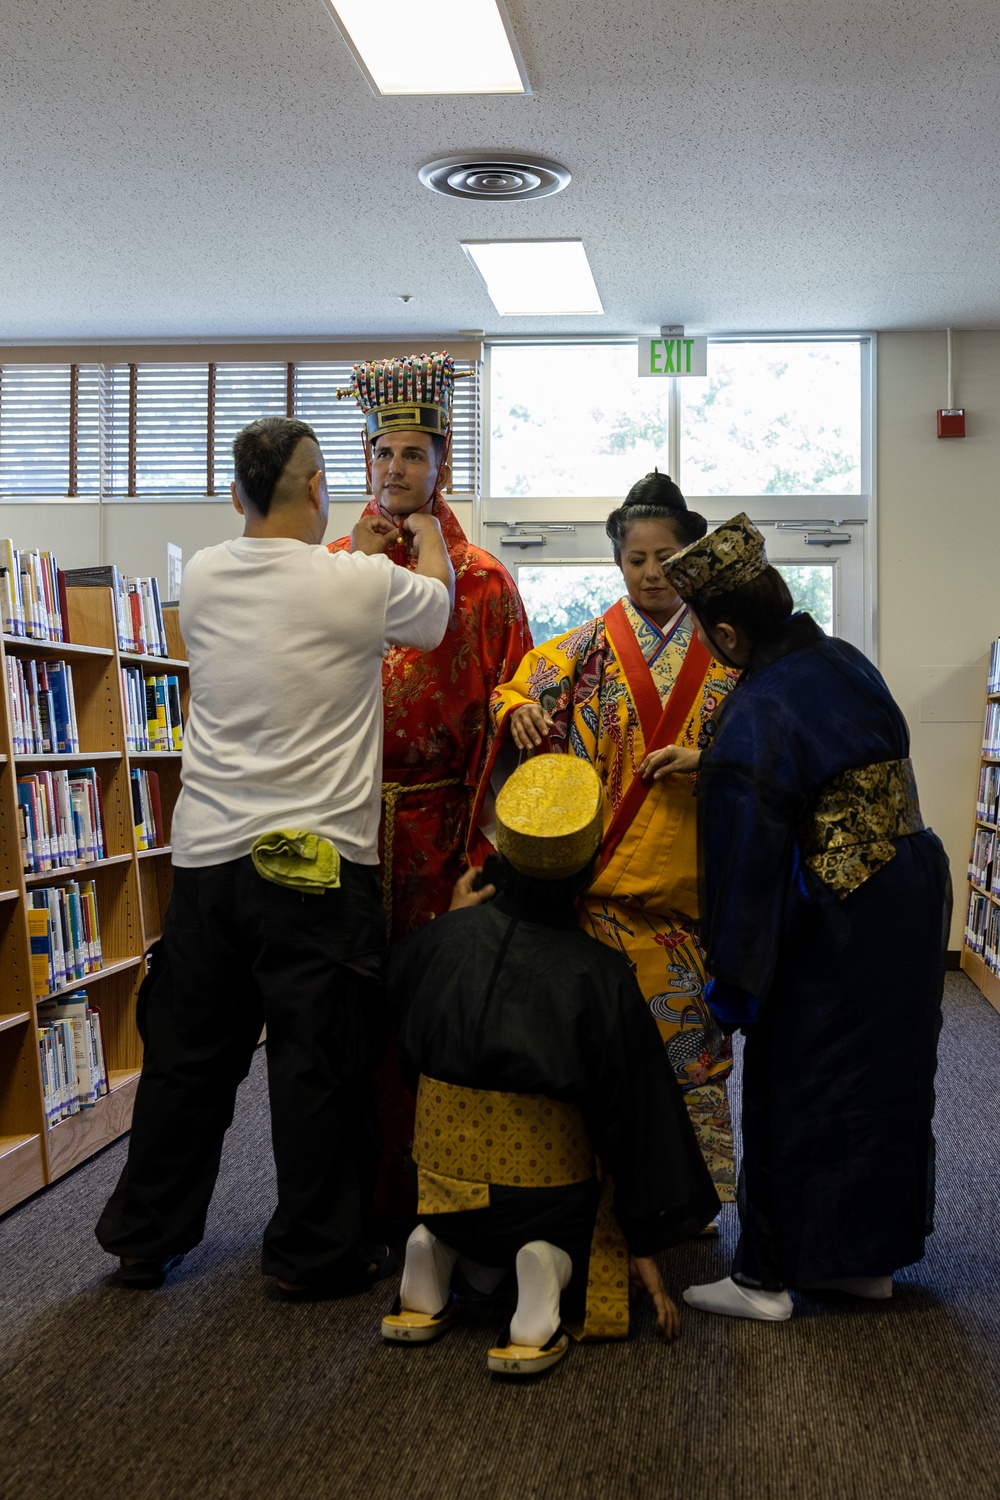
[659,727]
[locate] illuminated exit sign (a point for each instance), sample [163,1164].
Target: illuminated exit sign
[679,356]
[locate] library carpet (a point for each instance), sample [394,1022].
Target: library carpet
[210,1388]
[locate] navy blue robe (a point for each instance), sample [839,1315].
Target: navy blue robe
[839,998]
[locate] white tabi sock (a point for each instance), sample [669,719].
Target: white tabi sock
[543,1273]
[873,1288]
[426,1272]
[731,1300]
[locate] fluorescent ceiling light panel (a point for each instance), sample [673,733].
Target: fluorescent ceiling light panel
[449,47]
[528,278]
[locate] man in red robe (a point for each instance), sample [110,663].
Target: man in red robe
[436,718]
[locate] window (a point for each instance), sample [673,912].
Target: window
[773,419]
[160,430]
[572,419]
[242,393]
[557,597]
[811,587]
[780,428]
[49,429]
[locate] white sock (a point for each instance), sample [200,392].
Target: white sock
[484,1279]
[426,1272]
[731,1300]
[543,1273]
[874,1288]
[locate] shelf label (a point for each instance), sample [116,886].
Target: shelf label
[673,357]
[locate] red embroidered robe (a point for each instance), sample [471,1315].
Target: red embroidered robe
[436,729]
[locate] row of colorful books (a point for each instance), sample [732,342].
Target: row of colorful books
[138,612]
[991,730]
[981,860]
[147,810]
[993,679]
[62,822]
[43,707]
[153,719]
[975,920]
[988,794]
[991,938]
[32,594]
[74,1071]
[65,935]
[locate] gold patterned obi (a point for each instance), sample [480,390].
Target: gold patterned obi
[467,1140]
[854,820]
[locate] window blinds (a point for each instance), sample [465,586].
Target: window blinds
[166,430]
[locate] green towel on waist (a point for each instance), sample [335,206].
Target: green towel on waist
[302,861]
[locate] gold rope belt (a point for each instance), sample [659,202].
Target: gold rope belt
[854,820]
[467,1139]
[391,793]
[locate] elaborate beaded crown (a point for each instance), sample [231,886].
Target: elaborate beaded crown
[413,391]
[729,556]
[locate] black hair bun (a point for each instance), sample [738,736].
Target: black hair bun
[656,489]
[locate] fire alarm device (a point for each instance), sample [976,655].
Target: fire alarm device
[951,422]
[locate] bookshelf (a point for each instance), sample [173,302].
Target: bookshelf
[981,940]
[131,887]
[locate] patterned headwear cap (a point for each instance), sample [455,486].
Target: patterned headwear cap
[413,391]
[549,816]
[729,556]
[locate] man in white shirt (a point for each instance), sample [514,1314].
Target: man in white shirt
[277,629]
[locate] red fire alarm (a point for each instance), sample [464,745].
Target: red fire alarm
[951,421]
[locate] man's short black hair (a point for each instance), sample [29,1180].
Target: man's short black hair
[260,453]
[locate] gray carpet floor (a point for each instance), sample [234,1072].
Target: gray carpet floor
[210,1388]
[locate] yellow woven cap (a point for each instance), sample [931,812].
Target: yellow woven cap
[549,816]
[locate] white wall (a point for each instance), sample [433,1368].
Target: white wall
[939,567]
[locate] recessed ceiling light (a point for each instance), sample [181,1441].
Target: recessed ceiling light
[452,47]
[528,278]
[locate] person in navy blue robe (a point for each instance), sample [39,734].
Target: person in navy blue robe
[825,913]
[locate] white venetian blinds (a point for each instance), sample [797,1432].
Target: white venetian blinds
[160,429]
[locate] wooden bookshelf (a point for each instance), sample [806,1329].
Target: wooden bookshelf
[976,962]
[132,890]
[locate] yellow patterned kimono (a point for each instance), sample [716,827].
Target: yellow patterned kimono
[606,685]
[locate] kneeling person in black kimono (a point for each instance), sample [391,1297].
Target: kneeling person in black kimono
[532,1051]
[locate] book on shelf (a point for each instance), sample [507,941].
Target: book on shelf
[138,613]
[153,719]
[981,859]
[993,679]
[147,811]
[43,707]
[71,1048]
[65,935]
[975,921]
[32,594]
[62,822]
[986,797]
[991,730]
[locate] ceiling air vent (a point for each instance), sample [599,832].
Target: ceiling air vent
[503,178]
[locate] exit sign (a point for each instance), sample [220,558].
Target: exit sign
[680,356]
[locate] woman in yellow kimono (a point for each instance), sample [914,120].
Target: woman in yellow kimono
[617,691]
